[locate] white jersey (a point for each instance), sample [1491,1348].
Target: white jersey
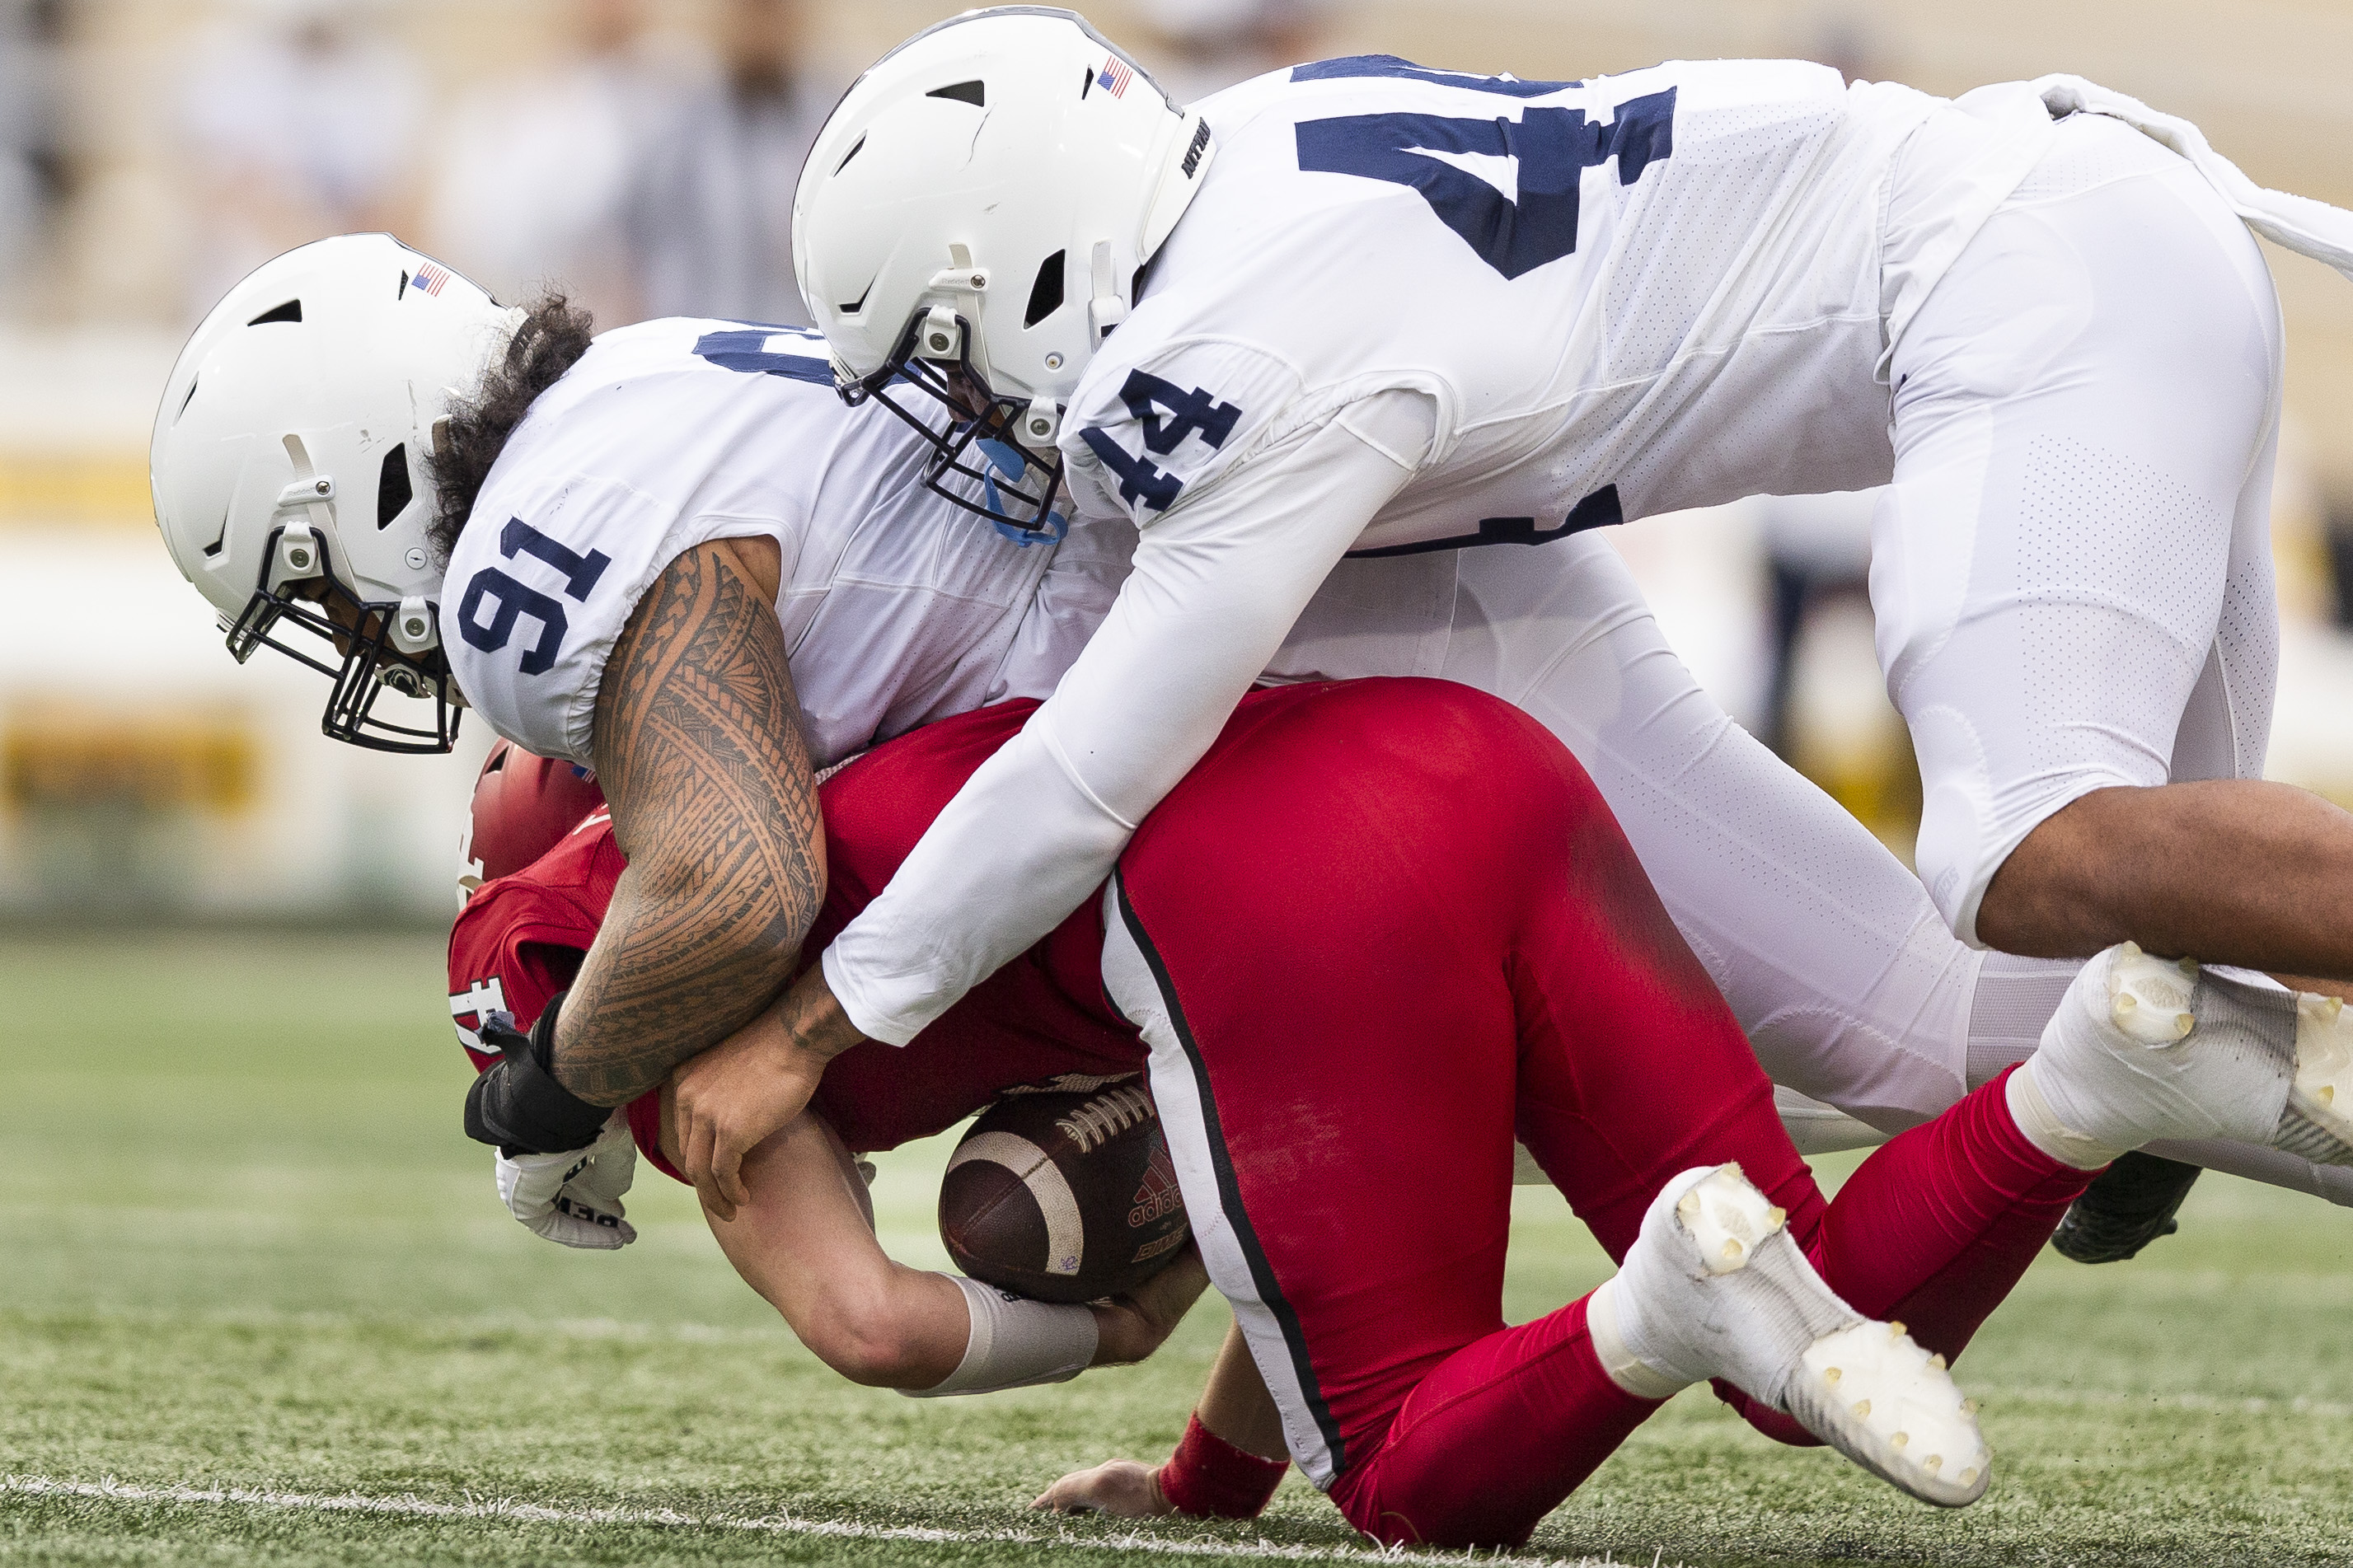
[1412,310]
[898,608]
[1621,297]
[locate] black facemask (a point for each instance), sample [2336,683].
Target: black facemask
[975,461]
[355,651]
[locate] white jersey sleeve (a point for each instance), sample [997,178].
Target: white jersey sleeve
[1216,586]
[537,604]
[1409,311]
[1140,438]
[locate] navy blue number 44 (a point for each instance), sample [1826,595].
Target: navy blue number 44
[1195,413]
[1554,147]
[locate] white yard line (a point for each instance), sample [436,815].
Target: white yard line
[2109,1399]
[535,1513]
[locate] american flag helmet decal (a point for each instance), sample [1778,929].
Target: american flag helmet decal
[428,278]
[1116,75]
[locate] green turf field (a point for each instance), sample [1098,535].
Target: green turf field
[258,1304]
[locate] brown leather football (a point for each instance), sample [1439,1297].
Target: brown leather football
[523,805]
[1064,1195]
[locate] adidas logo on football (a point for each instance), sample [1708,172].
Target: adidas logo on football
[1158,1194]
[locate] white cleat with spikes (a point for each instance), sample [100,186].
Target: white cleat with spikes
[1715,1288]
[2319,1114]
[2145,1047]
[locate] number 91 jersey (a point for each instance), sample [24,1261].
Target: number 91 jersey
[898,608]
[1621,296]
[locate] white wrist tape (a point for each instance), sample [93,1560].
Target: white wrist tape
[1015,1342]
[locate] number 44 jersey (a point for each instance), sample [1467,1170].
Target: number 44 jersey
[1621,297]
[898,607]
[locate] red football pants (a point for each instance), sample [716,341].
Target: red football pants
[1418,941]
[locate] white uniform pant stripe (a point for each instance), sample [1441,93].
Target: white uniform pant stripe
[1134,978]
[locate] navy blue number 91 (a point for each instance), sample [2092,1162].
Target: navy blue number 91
[510,599]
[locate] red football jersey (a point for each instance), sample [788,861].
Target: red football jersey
[1043,1016]
[519,938]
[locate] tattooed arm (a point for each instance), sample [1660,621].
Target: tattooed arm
[699,750]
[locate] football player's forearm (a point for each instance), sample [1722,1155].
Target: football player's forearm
[1037,827]
[804,1241]
[713,803]
[1236,1404]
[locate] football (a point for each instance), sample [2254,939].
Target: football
[524,804]
[1064,1195]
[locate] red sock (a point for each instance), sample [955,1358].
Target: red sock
[1933,1231]
[1493,1439]
[1937,1225]
[1210,1478]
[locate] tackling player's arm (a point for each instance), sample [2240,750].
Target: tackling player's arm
[698,747]
[1216,587]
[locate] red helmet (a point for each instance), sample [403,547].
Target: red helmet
[523,805]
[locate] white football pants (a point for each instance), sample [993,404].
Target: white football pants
[2072,573]
[1846,977]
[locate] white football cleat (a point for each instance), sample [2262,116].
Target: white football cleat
[2318,1121]
[2144,1047]
[1715,1288]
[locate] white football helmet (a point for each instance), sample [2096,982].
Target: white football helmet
[289,476]
[969,225]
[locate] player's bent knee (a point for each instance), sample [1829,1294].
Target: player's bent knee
[1462,1526]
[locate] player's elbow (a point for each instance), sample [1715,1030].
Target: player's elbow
[761,905]
[862,1335]
[880,1359]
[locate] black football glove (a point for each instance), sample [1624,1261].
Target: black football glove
[518,1107]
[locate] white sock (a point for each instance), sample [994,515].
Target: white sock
[2030,1108]
[1626,1369]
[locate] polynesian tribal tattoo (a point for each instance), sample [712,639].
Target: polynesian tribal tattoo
[700,754]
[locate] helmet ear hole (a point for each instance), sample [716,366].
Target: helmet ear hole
[1046,293]
[393,490]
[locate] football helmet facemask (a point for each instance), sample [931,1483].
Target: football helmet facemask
[289,476]
[968,229]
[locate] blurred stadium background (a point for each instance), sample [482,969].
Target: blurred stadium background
[642,153]
[245,1245]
